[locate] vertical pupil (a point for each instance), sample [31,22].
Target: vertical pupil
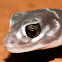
[33,30]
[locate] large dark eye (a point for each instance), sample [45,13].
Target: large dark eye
[33,30]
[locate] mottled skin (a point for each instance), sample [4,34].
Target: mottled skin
[52,18]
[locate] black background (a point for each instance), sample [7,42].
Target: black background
[36,56]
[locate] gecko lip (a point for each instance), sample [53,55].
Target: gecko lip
[21,50]
[14,50]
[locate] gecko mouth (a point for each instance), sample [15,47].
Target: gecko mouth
[25,49]
[20,49]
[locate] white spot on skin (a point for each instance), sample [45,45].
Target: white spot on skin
[53,12]
[52,32]
[23,30]
[31,22]
[23,13]
[16,14]
[11,22]
[25,40]
[47,28]
[57,24]
[37,19]
[18,35]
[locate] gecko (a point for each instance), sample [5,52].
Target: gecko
[34,30]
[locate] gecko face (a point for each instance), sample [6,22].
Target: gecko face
[33,30]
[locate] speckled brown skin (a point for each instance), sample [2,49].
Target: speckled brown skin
[47,17]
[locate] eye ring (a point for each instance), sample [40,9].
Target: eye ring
[33,30]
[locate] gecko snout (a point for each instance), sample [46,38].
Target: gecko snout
[10,42]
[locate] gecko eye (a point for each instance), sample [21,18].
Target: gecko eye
[33,30]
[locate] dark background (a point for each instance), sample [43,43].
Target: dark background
[37,56]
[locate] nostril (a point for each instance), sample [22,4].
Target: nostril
[12,42]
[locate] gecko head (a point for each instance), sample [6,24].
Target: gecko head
[32,30]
